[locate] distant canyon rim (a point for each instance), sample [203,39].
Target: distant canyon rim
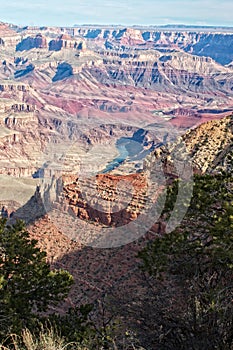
[93,101]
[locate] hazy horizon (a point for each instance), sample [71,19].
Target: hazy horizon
[121,12]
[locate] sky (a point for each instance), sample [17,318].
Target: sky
[125,12]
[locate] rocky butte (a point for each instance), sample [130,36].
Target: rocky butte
[86,113]
[112,271]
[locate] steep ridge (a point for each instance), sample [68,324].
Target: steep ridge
[210,147]
[63,91]
[114,271]
[74,104]
[40,41]
[212,153]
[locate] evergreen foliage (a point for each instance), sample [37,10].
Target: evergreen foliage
[191,272]
[27,285]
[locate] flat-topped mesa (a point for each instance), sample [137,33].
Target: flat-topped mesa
[38,41]
[47,31]
[65,41]
[129,36]
[198,42]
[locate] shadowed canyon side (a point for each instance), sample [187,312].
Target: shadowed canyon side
[83,101]
[210,42]
[91,87]
[209,145]
[104,132]
[115,271]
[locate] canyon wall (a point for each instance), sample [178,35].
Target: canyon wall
[201,43]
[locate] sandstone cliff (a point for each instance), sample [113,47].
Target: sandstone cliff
[210,44]
[113,271]
[8,37]
[209,146]
[98,95]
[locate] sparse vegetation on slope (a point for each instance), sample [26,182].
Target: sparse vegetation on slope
[190,274]
[46,340]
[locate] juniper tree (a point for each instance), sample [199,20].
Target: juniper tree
[190,274]
[27,284]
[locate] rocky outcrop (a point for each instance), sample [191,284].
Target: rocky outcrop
[114,271]
[99,199]
[8,37]
[209,148]
[36,42]
[18,171]
[129,37]
[19,120]
[24,71]
[107,199]
[201,43]
[31,211]
[66,42]
[21,107]
[165,72]
[9,139]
